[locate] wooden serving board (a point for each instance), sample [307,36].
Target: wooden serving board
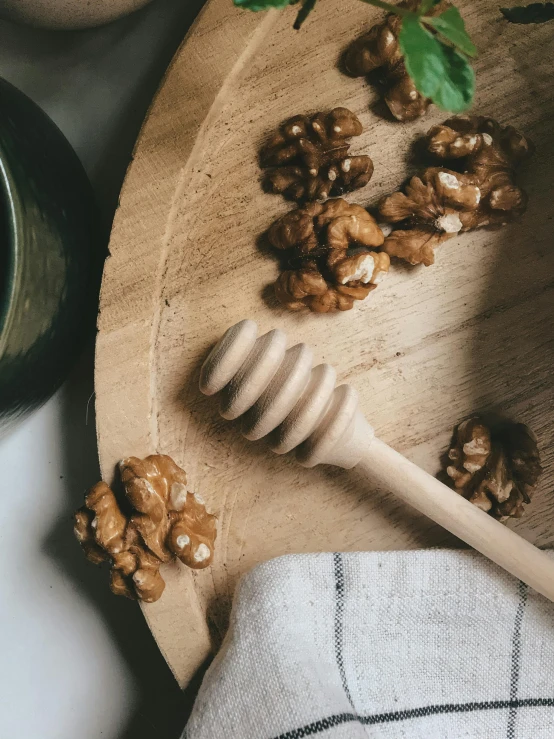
[428,347]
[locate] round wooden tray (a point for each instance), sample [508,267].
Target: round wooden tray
[430,346]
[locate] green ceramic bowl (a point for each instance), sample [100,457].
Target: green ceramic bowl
[48,268]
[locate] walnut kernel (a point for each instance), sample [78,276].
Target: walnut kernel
[476,190]
[308,158]
[495,466]
[165,520]
[328,250]
[378,51]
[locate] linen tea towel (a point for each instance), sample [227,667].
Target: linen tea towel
[431,644]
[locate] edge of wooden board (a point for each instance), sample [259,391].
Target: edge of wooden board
[201,76]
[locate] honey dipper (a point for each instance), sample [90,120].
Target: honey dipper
[280,396]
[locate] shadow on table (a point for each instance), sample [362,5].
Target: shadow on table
[511,351]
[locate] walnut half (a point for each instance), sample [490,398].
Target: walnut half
[379,51]
[474,188]
[330,255]
[495,466]
[164,521]
[490,154]
[308,158]
[434,207]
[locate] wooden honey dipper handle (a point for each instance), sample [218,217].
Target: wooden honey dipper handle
[279,395]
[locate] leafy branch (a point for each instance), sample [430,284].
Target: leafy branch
[436,48]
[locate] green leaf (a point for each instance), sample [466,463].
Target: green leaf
[303,13]
[438,71]
[450,25]
[534,13]
[459,87]
[261,4]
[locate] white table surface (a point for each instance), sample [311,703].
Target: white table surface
[77,662]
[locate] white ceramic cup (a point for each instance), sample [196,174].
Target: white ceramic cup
[67,13]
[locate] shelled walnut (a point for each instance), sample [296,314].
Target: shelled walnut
[379,51]
[478,190]
[308,158]
[495,466]
[327,250]
[490,154]
[158,520]
[434,207]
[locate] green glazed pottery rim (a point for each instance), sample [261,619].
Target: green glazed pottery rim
[12,235]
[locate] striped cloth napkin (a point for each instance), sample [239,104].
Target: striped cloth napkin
[430,644]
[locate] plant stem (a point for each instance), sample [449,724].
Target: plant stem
[303,13]
[397,10]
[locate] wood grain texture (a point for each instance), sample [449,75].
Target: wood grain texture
[428,347]
[270,390]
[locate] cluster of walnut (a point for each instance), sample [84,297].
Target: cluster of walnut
[378,51]
[308,158]
[496,467]
[329,265]
[327,247]
[476,189]
[325,272]
[163,521]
